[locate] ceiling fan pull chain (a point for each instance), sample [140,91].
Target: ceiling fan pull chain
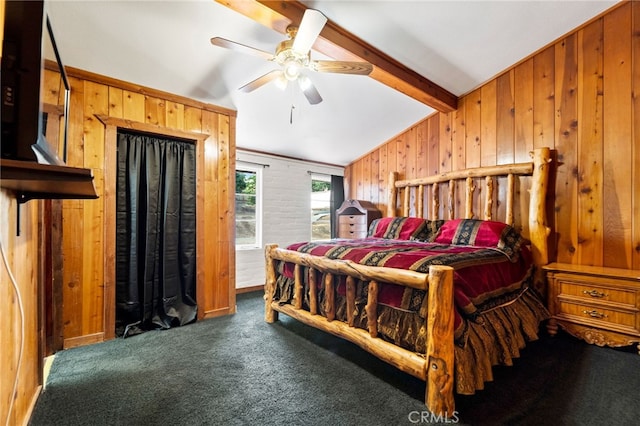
[291,114]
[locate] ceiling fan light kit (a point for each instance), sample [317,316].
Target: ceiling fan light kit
[294,55]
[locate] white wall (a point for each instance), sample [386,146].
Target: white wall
[286,211]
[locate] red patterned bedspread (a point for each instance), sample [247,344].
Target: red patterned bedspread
[484,278]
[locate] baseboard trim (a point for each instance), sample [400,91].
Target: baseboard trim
[32,405]
[250,289]
[88,339]
[218,312]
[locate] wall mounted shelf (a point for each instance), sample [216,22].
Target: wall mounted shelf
[32,180]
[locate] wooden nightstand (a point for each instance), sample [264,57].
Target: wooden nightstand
[599,305]
[354,218]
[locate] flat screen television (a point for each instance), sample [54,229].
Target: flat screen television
[28,41]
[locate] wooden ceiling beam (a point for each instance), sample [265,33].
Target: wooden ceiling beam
[338,43]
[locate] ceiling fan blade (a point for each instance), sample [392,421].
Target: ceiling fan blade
[342,67]
[309,90]
[261,81]
[312,23]
[228,44]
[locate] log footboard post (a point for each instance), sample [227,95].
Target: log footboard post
[270,315]
[439,357]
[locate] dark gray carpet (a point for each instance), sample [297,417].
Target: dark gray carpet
[238,370]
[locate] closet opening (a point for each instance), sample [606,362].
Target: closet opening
[155,244]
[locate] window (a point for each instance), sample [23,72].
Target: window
[320,207]
[248,206]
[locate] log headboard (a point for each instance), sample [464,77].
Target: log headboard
[446,185]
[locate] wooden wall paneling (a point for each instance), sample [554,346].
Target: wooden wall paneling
[459,137]
[558,98]
[175,115]
[505,135]
[383,176]
[392,165]
[445,145]
[617,160]
[226,163]
[23,259]
[473,116]
[635,132]
[96,101]
[75,153]
[72,225]
[374,177]
[231,224]
[523,118]
[590,144]
[207,297]
[226,200]
[488,123]
[505,118]
[207,252]
[422,154]
[566,143]
[410,148]
[50,93]
[356,182]
[365,177]
[543,98]
[433,157]
[401,159]
[133,106]
[116,104]
[72,247]
[523,129]
[192,119]
[109,206]
[155,111]
[459,159]
[93,260]
[8,337]
[346,182]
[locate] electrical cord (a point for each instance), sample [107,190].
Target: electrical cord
[21,307]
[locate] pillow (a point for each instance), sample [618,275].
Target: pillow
[481,233]
[428,232]
[404,228]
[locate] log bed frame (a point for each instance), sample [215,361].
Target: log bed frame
[436,367]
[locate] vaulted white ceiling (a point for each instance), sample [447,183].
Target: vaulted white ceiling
[165,45]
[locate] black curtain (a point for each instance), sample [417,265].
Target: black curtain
[337,198]
[155,233]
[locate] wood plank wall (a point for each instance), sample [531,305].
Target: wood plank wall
[87,241]
[82,253]
[579,96]
[19,326]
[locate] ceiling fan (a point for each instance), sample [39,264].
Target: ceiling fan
[293,56]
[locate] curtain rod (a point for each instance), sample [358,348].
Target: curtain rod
[253,163]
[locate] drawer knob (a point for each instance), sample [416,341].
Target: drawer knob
[594,314]
[594,293]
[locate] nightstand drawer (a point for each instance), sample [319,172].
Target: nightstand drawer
[352,234]
[595,291]
[353,220]
[351,227]
[589,314]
